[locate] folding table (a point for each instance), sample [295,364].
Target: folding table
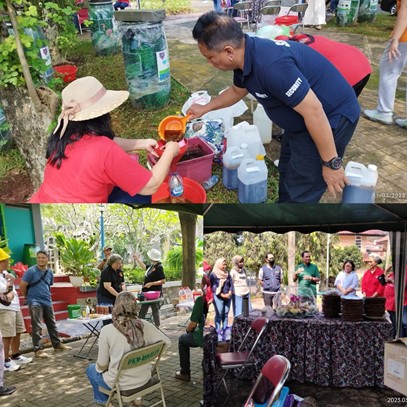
[92,325]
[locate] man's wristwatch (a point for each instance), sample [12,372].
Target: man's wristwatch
[334,164]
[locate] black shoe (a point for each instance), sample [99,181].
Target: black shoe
[186,377]
[6,391]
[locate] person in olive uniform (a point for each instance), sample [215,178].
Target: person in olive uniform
[154,280]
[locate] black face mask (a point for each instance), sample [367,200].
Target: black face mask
[271,262]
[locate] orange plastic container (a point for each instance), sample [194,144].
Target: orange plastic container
[68,72]
[193,192]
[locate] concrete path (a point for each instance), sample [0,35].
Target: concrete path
[373,143]
[61,381]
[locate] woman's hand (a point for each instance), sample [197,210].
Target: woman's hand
[394,52]
[172,147]
[148,285]
[148,144]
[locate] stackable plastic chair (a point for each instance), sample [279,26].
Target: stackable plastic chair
[130,360]
[243,357]
[276,371]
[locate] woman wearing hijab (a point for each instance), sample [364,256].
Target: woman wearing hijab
[371,286]
[127,332]
[154,279]
[222,286]
[240,287]
[86,162]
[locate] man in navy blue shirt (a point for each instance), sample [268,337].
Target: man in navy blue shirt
[300,90]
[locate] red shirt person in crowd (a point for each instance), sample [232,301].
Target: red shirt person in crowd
[206,287]
[391,302]
[371,286]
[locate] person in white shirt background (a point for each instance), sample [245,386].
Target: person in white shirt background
[11,323]
[4,299]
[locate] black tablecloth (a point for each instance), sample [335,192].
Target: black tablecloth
[326,352]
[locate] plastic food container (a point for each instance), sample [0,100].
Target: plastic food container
[152,295]
[198,169]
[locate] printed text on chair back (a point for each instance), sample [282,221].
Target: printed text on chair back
[141,356]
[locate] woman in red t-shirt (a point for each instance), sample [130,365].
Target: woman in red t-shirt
[391,302]
[87,162]
[206,287]
[371,286]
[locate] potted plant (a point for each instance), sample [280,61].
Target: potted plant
[90,280]
[76,258]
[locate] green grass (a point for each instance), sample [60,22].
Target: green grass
[11,162]
[381,27]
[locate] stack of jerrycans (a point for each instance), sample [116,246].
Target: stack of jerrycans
[244,168]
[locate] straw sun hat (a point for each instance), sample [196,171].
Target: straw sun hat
[86,98]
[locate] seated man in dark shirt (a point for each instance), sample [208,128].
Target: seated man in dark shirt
[191,339]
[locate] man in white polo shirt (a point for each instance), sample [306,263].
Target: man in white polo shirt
[11,323]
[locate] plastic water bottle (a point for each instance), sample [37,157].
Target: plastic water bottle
[176,187]
[362,185]
[87,311]
[210,182]
[263,123]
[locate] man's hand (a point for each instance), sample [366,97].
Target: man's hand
[335,180]
[196,110]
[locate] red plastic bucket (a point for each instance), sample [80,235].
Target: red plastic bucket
[286,20]
[67,72]
[193,192]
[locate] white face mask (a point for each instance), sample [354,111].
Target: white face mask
[3,284]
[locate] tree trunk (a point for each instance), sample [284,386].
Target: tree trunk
[188,231]
[291,256]
[30,126]
[51,34]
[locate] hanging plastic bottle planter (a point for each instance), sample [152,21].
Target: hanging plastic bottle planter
[146,58]
[103,28]
[40,46]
